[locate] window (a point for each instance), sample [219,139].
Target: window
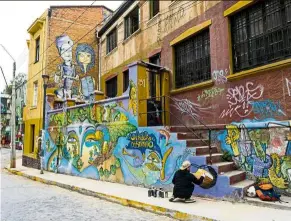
[37,49]
[192,60]
[154,7]
[131,22]
[125,80]
[111,87]
[34,102]
[261,34]
[111,40]
[156,59]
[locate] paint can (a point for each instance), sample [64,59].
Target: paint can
[150,192]
[155,192]
[161,193]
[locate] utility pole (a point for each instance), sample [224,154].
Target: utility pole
[13,115]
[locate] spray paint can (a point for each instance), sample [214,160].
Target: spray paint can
[161,193]
[166,194]
[150,192]
[155,192]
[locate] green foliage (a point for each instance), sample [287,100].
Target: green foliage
[117,130]
[226,156]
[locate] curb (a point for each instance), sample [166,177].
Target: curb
[122,201]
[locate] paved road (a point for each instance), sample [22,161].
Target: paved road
[26,200]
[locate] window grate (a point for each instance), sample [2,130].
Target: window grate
[192,60]
[111,40]
[261,34]
[111,87]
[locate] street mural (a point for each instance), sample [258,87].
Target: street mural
[103,142]
[70,81]
[261,148]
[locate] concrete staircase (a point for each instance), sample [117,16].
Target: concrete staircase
[231,183]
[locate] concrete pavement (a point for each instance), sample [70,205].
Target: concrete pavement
[203,209]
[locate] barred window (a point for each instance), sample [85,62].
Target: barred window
[192,60]
[131,23]
[261,34]
[111,40]
[111,87]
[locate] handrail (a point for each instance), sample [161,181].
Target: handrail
[191,130]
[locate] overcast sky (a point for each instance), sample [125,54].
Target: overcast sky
[15,18]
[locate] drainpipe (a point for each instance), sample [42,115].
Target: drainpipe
[99,60]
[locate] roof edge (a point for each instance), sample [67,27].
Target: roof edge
[81,6]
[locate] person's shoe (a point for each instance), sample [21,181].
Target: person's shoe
[174,199]
[189,200]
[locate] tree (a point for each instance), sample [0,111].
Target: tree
[19,79]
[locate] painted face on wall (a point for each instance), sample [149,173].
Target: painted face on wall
[73,144]
[84,57]
[66,53]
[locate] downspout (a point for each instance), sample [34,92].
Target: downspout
[99,61]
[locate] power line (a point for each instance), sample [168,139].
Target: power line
[96,40]
[66,29]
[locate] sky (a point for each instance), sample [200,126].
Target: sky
[15,18]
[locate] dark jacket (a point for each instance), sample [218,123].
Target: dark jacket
[184,183]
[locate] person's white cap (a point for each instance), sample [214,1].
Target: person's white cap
[186,164]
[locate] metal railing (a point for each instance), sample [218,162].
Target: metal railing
[163,111]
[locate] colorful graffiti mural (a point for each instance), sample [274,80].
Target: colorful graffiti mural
[103,141]
[71,82]
[262,148]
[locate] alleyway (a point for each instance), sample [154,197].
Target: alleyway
[23,199]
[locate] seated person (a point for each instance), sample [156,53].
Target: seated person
[184,183]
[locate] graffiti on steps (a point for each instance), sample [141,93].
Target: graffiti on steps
[210,93]
[260,149]
[267,108]
[288,85]
[240,98]
[219,76]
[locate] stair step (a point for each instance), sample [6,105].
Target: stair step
[235,176]
[244,184]
[189,135]
[224,166]
[216,157]
[182,129]
[202,150]
[196,142]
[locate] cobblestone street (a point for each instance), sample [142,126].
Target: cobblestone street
[25,200]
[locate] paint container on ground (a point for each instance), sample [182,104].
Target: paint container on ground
[166,194]
[155,192]
[150,192]
[161,193]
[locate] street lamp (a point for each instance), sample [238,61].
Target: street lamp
[45,82]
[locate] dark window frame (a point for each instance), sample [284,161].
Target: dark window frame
[125,80]
[192,60]
[154,7]
[131,25]
[261,34]
[111,40]
[37,49]
[111,87]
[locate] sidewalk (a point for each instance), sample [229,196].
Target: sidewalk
[203,209]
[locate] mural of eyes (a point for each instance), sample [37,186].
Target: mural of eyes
[153,162]
[154,157]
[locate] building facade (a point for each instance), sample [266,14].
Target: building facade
[62,45]
[206,81]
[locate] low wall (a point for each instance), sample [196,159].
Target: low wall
[102,141]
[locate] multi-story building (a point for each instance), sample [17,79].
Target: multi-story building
[230,76]
[62,45]
[207,81]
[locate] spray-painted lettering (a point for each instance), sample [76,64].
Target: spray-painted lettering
[267,108]
[210,93]
[219,76]
[288,85]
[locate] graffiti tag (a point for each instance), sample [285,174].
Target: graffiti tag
[267,108]
[173,18]
[141,82]
[143,140]
[188,107]
[239,99]
[288,85]
[210,93]
[219,76]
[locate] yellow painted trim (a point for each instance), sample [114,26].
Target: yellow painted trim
[191,31]
[267,67]
[237,6]
[188,88]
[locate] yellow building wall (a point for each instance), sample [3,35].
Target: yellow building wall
[33,114]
